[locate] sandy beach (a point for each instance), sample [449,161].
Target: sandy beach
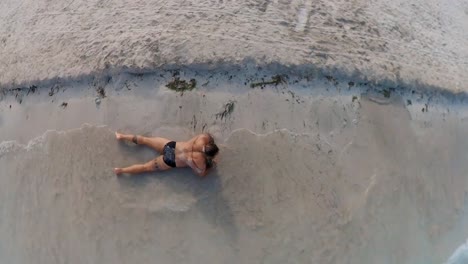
[342,129]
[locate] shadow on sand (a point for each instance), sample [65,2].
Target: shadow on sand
[208,191]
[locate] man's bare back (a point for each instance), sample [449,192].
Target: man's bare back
[197,153]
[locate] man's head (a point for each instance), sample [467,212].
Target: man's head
[211,149]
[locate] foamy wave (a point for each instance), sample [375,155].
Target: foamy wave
[8,146]
[38,142]
[460,256]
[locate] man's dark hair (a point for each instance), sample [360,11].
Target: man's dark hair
[211,149]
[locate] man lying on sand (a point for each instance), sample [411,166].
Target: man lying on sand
[197,153]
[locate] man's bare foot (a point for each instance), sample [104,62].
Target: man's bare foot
[118,171]
[118,136]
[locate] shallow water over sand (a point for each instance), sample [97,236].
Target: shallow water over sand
[383,190]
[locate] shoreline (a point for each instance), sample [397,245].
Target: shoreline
[251,71]
[95,95]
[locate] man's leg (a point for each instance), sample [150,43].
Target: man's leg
[156,143]
[155,165]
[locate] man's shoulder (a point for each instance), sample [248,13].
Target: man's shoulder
[198,157]
[207,136]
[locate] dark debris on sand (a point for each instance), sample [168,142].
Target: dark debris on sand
[53,90]
[100,84]
[19,92]
[276,80]
[101,92]
[386,93]
[179,85]
[32,89]
[332,80]
[226,112]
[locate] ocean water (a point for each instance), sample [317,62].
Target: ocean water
[384,189]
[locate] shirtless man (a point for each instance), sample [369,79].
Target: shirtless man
[197,153]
